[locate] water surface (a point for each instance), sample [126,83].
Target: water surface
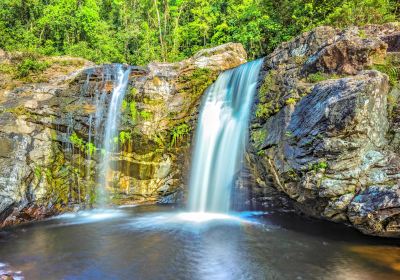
[154,242]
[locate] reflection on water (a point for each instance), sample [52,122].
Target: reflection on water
[150,242]
[385,255]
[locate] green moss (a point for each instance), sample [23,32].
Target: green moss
[6,68]
[291,175]
[133,111]
[268,96]
[195,83]
[133,92]
[159,139]
[152,102]
[261,153]
[70,62]
[316,77]
[291,101]
[146,115]
[319,166]
[85,147]
[258,137]
[320,77]
[362,34]
[124,105]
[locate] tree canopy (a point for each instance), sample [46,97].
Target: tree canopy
[139,31]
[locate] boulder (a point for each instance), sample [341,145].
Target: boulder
[324,128]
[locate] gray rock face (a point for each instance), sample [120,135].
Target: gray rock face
[325,139]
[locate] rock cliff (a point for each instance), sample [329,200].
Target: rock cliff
[49,123]
[325,126]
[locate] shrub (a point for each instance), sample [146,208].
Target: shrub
[30,65]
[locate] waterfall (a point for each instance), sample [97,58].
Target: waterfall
[110,138]
[221,138]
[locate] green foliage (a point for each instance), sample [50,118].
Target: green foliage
[77,141]
[319,77]
[146,115]
[133,92]
[316,77]
[141,31]
[124,136]
[261,153]
[90,148]
[124,105]
[391,69]
[258,137]
[30,65]
[291,101]
[319,166]
[133,111]
[362,34]
[178,132]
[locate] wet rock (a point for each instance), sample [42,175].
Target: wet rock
[347,55]
[45,122]
[376,210]
[324,128]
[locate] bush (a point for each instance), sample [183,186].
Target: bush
[30,65]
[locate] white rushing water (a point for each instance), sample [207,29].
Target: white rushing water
[221,138]
[121,79]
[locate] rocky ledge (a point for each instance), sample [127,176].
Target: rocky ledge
[325,129]
[48,159]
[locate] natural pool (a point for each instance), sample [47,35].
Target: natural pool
[158,242]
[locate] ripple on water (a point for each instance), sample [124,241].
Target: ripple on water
[189,221]
[90,216]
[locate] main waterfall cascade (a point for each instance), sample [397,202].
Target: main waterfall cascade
[221,138]
[110,133]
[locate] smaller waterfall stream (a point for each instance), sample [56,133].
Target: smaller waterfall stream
[110,138]
[221,138]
